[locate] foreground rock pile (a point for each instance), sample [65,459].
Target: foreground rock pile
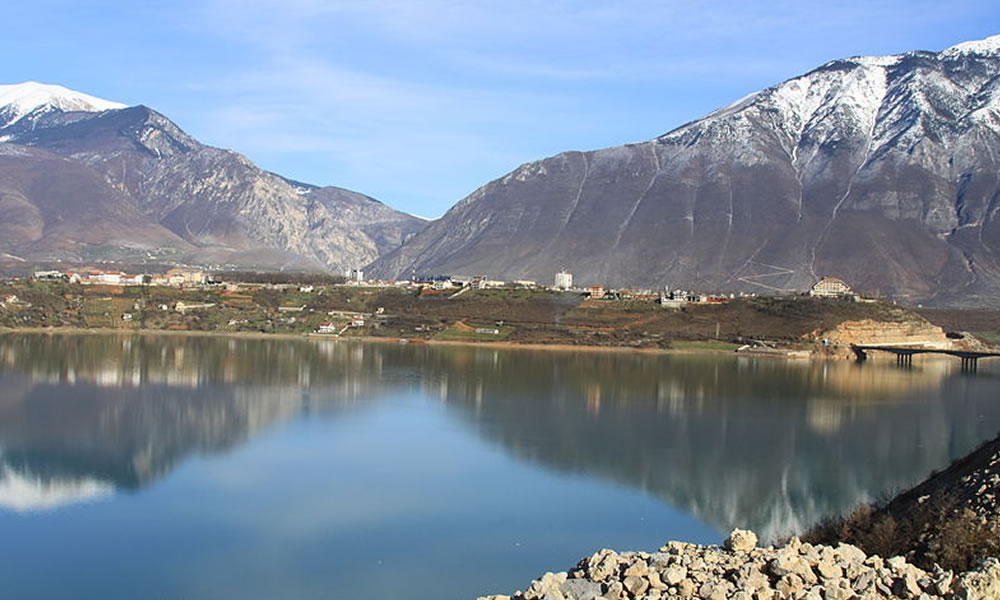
[742,571]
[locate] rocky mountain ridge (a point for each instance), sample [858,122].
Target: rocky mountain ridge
[879,170]
[185,200]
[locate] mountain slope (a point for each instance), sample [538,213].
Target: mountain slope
[879,170]
[55,208]
[223,207]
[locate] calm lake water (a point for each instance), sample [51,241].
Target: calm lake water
[198,467]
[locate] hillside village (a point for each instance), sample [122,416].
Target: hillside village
[461,309]
[187,278]
[829,287]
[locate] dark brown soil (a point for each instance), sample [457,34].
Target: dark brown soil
[954,319]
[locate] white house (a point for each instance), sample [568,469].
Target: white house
[830,287]
[183,307]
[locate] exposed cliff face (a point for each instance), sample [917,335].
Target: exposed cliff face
[215,205]
[879,170]
[219,199]
[877,332]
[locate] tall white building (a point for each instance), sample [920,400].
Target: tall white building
[564,280]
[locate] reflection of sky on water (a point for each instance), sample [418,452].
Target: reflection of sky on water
[273,467]
[356,509]
[313,505]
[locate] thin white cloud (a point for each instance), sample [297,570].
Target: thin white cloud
[464,89]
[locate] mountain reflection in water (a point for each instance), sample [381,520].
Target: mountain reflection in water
[739,442]
[125,410]
[736,441]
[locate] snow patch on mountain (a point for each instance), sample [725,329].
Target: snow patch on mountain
[875,61]
[815,108]
[22,99]
[867,98]
[13,149]
[988,46]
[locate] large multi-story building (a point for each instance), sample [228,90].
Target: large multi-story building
[564,280]
[179,277]
[830,287]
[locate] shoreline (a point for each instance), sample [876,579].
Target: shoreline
[793,355]
[506,345]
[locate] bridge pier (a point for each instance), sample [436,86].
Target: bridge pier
[904,354]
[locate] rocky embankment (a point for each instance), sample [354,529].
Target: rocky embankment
[740,570]
[951,519]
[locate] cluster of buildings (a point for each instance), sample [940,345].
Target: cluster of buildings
[178,277]
[826,287]
[446,282]
[667,298]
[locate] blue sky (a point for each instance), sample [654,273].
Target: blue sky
[419,102]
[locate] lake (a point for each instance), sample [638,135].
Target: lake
[213,467]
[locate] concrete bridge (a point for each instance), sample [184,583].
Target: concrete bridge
[904,354]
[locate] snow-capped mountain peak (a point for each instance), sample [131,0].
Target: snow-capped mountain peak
[19,100]
[985,47]
[871,97]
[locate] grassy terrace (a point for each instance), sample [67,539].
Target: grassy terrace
[474,332]
[525,316]
[701,346]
